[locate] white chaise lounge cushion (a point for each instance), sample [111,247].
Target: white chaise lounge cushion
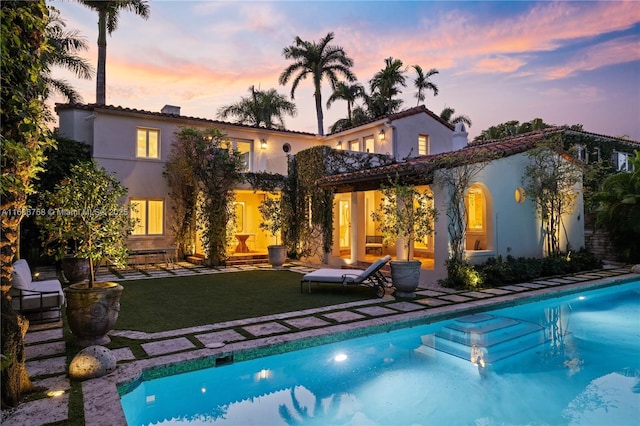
[327,275]
[21,275]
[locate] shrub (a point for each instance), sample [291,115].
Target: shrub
[461,275]
[496,272]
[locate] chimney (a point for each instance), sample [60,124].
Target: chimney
[460,137]
[170,109]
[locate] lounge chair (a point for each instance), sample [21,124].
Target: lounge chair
[370,277]
[36,299]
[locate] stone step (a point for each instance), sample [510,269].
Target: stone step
[493,337]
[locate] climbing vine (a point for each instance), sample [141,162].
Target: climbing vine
[215,170]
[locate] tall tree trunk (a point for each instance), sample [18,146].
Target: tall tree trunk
[319,112]
[15,379]
[101,77]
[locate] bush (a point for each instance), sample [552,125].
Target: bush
[461,275]
[496,272]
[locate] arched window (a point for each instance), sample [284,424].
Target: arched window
[478,227]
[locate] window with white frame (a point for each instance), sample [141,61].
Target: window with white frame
[423,145]
[582,152]
[369,144]
[147,143]
[149,216]
[354,145]
[245,148]
[621,161]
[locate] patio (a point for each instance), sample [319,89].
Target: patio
[201,346]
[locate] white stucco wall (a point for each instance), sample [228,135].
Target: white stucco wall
[407,129]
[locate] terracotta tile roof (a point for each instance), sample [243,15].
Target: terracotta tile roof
[421,109]
[96,107]
[419,170]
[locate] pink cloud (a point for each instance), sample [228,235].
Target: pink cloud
[608,53]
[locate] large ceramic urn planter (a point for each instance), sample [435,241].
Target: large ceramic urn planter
[405,276]
[75,269]
[92,312]
[277,255]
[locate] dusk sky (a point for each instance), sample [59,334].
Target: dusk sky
[565,62]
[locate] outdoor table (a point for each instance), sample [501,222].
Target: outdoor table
[242,243]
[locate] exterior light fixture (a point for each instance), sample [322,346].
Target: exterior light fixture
[263,144]
[339,145]
[381,135]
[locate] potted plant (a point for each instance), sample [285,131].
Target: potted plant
[272,217]
[405,214]
[84,215]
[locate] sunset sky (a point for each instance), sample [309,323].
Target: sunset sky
[565,62]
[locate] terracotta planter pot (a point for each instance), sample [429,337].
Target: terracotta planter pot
[277,255]
[92,312]
[405,277]
[75,269]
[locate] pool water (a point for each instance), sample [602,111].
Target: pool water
[569,360]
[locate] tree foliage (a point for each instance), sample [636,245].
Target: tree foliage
[65,45]
[405,213]
[263,108]
[422,82]
[619,210]
[24,138]
[207,167]
[550,181]
[108,17]
[318,61]
[85,216]
[447,115]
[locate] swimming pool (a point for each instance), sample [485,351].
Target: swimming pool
[568,360]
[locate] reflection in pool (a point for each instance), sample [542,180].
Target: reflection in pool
[569,360]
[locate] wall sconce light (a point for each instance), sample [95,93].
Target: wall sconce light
[339,145]
[381,135]
[263,144]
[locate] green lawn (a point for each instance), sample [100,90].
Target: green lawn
[161,304]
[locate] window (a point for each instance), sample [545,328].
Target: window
[621,161]
[423,145]
[148,143]
[245,148]
[149,215]
[582,153]
[354,145]
[369,144]
[475,209]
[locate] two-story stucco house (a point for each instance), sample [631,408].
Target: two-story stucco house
[135,144]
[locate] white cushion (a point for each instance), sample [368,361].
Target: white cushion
[32,299]
[332,275]
[21,275]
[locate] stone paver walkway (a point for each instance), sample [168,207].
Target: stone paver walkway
[240,339]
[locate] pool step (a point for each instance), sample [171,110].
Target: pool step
[491,337]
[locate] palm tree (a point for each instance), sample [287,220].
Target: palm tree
[347,92]
[319,60]
[384,84]
[447,115]
[64,45]
[108,11]
[263,108]
[422,82]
